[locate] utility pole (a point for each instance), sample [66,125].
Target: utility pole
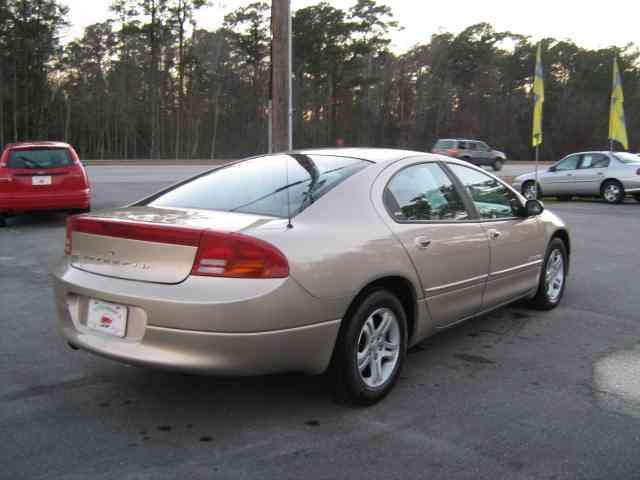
[281,72]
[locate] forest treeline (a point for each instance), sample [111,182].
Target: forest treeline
[148,82]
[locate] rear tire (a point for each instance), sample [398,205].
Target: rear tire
[497,164]
[370,350]
[612,192]
[553,276]
[80,210]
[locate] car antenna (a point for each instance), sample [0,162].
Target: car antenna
[286,169]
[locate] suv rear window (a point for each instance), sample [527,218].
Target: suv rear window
[39,158]
[270,185]
[445,144]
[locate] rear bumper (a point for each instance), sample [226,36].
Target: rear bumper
[242,331]
[303,349]
[80,199]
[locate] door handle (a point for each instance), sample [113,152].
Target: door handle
[601,173]
[422,242]
[494,234]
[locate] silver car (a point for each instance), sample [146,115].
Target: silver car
[309,261]
[610,175]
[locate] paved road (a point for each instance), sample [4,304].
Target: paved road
[517,394]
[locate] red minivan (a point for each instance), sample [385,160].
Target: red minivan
[37,176]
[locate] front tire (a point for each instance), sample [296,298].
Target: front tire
[497,164]
[370,350]
[612,192]
[553,277]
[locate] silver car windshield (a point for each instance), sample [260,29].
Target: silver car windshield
[625,157]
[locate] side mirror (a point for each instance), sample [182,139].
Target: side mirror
[533,208]
[552,169]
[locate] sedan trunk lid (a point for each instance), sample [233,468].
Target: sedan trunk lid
[147,243]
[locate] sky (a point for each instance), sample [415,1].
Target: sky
[588,23]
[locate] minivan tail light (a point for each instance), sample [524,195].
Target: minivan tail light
[238,256]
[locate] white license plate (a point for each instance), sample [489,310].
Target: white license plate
[41,180]
[108,318]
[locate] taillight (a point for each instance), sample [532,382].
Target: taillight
[238,256]
[453,152]
[71,224]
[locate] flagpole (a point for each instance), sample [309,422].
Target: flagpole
[537,162]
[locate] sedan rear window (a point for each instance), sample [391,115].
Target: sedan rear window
[627,157]
[39,158]
[271,185]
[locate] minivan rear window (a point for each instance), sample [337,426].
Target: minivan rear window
[270,185]
[39,158]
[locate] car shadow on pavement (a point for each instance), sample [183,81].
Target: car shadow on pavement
[37,220]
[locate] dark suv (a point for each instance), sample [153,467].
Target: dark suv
[473,151]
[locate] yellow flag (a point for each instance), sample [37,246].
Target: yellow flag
[538,99]
[617,125]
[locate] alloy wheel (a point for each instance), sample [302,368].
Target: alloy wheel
[554,275]
[378,347]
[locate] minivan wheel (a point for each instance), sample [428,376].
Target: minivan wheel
[370,350]
[553,277]
[612,191]
[497,165]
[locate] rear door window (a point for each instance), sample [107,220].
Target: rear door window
[271,185]
[594,160]
[40,158]
[423,192]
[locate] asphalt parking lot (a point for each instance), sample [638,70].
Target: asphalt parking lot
[518,394]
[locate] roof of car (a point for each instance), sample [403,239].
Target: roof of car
[37,144]
[376,155]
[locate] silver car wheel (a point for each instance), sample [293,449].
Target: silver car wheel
[378,347]
[554,275]
[530,191]
[612,192]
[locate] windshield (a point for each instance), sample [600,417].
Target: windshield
[39,158]
[270,185]
[627,157]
